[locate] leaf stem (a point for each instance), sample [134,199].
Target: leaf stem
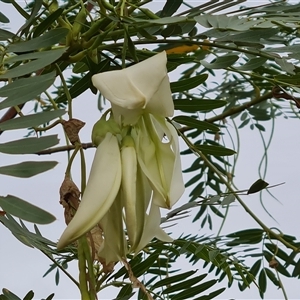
[61,268]
[68,95]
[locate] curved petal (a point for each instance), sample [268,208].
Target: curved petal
[152,229]
[102,188]
[160,160]
[142,87]
[114,245]
[128,186]
[161,103]
[176,184]
[119,89]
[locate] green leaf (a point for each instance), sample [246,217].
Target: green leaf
[228,199]
[45,24]
[259,127]
[184,284]
[126,291]
[255,268]
[194,291]
[50,297]
[29,145]
[3,18]
[220,62]
[215,150]
[290,80]
[19,232]
[37,4]
[197,124]
[9,295]
[141,268]
[257,186]
[57,277]
[173,279]
[161,21]
[25,211]
[33,55]
[170,8]
[29,295]
[28,168]
[198,105]
[34,65]
[48,39]
[131,46]
[285,65]
[250,35]
[252,64]
[225,22]
[5,35]
[271,276]
[262,281]
[31,120]
[171,30]
[85,82]
[296,271]
[188,84]
[247,232]
[211,295]
[25,89]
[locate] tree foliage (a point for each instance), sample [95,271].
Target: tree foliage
[239,67]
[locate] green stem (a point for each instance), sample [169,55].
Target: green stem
[61,268]
[55,106]
[237,150]
[281,286]
[90,267]
[68,170]
[83,170]
[190,42]
[83,286]
[66,90]
[48,127]
[234,110]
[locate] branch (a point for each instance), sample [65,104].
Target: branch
[234,110]
[10,114]
[64,148]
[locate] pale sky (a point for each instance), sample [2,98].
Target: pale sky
[22,268]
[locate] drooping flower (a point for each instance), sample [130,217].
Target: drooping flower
[140,89]
[138,148]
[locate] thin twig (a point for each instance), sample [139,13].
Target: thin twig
[64,148]
[234,110]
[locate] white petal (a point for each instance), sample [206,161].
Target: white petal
[160,160]
[118,88]
[114,248]
[161,103]
[128,186]
[144,86]
[177,187]
[102,187]
[152,229]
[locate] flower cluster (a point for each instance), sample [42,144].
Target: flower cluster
[136,169]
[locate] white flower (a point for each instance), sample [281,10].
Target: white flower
[142,88]
[137,163]
[101,190]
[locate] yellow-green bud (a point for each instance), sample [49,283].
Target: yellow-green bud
[128,141]
[102,127]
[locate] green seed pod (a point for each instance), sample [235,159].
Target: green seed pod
[78,22]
